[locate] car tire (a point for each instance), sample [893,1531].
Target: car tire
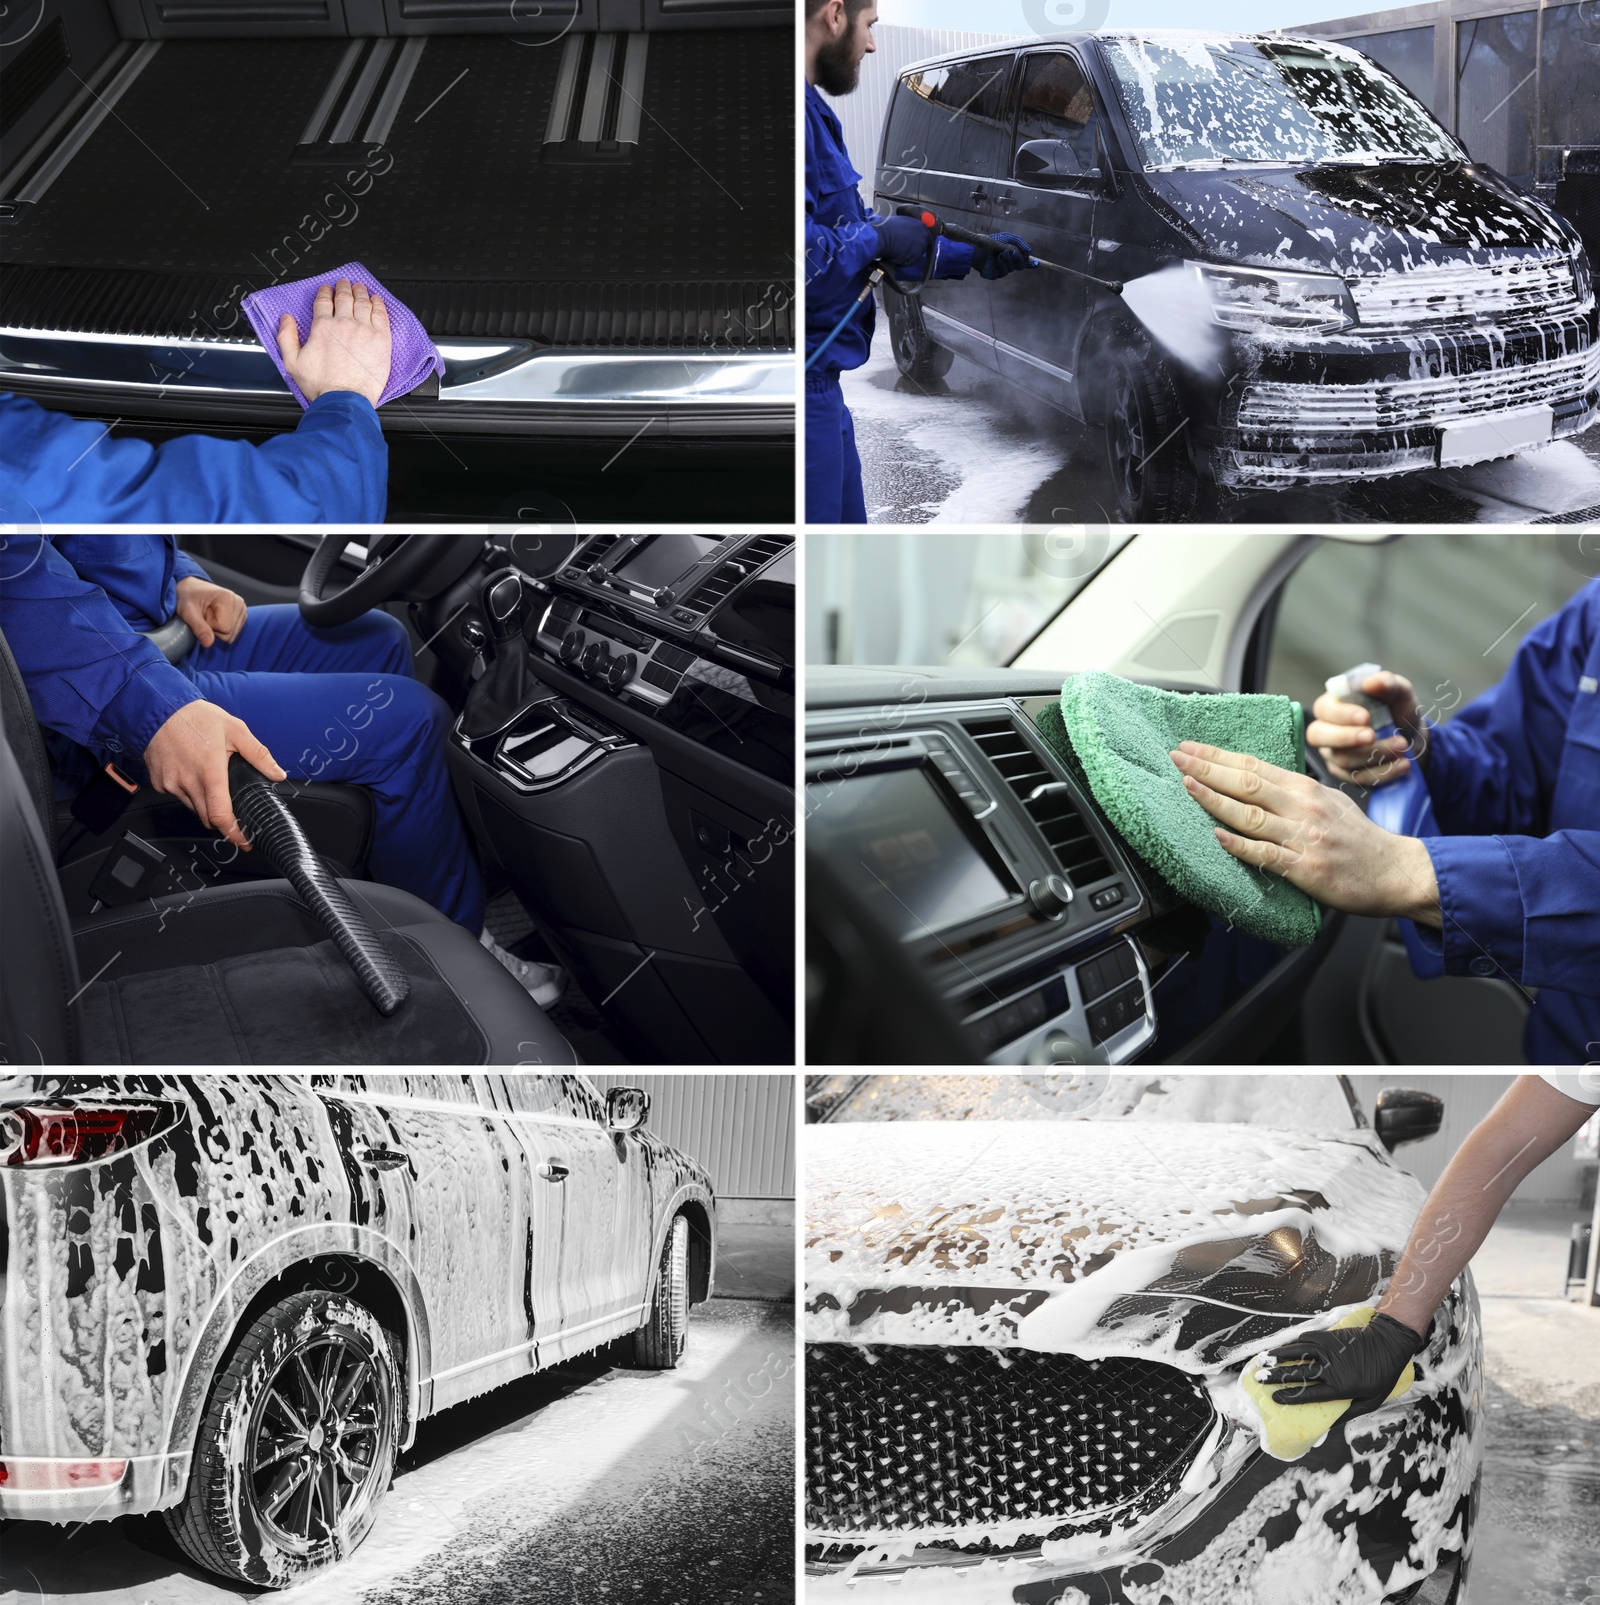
[658,1345]
[1146,453]
[275,1521]
[915,353]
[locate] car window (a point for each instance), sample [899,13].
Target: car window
[965,131]
[1058,103]
[1310,1103]
[570,1096]
[434,1088]
[1446,611]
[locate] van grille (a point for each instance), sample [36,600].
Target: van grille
[908,1439]
[1056,812]
[1465,293]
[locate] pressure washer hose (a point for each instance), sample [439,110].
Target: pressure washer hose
[276,833]
[988,243]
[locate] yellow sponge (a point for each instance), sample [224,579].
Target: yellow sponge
[1293,1429]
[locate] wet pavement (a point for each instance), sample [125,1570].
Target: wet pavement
[971,450]
[581,1485]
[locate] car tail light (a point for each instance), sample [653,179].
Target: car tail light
[35,1135]
[58,1476]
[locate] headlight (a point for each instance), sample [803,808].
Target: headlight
[1582,276]
[1253,298]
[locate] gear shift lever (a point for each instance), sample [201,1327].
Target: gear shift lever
[508,687]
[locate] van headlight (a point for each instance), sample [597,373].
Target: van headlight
[1256,298]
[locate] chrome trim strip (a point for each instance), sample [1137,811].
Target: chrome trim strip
[475,370]
[52,167]
[594,99]
[1033,361]
[555,130]
[330,95]
[377,59]
[970,333]
[394,91]
[631,107]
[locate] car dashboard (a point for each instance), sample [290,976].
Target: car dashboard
[967,839]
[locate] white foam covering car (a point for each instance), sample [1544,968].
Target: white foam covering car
[232,1298]
[1025,1337]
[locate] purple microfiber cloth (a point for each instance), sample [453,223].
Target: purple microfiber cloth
[414,355]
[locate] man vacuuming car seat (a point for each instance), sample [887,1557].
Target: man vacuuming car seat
[1510,884]
[332,468]
[843,243]
[338,704]
[1535,1117]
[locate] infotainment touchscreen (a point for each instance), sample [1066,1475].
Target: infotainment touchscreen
[895,839]
[665,558]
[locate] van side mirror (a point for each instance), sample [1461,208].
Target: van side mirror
[627,1109]
[1403,1115]
[1052,164]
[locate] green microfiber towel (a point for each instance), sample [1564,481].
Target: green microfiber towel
[1119,738]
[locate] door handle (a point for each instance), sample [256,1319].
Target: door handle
[381,1159]
[1006,201]
[979,195]
[554,1170]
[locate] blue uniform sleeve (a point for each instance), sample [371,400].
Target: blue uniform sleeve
[90,675]
[184,567]
[332,468]
[1493,767]
[1520,907]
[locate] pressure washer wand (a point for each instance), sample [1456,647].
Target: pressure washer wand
[873,281]
[988,243]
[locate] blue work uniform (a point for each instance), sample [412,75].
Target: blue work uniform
[337,704]
[332,468]
[1514,780]
[841,245]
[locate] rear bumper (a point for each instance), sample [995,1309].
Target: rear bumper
[490,387]
[150,1482]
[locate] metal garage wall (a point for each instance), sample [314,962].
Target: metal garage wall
[1467,1099]
[741,1128]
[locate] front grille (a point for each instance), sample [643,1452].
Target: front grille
[1418,403]
[908,1439]
[1461,294]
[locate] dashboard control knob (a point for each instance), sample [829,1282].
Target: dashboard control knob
[620,670]
[596,573]
[473,634]
[1051,896]
[666,596]
[595,658]
[571,646]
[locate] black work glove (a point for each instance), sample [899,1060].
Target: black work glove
[903,241]
[1017,254]
[1360,1363]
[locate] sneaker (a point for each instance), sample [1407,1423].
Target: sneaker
[544,983]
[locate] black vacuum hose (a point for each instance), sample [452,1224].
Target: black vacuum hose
[275,832]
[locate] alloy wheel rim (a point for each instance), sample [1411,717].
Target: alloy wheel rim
[318,1441]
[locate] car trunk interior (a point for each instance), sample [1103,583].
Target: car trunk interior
[606,185]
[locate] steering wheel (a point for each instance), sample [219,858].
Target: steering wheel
[395,563]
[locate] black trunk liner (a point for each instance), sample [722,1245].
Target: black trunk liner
[185,197]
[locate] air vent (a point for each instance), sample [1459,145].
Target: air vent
[596,548]
[764,548]
[1056,813]
[711,591]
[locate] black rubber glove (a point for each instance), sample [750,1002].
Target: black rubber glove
[903,241]
[1017,254]
[1361,1364]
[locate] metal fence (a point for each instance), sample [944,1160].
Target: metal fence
[741,1128]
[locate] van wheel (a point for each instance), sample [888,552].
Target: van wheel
[1146,452]
[658,1345]
[297,1445]
[915,354]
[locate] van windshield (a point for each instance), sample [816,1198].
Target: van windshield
[1215,101]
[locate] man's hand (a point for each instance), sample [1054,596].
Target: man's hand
[213,612]
[1342,732]
[1312,835]
[188,759]
[903,241]
[1018,254]
[1361,1364]
[348,347]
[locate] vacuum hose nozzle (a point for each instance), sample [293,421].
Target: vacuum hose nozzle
[274,831]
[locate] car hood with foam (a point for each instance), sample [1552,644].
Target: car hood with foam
[1192,1243]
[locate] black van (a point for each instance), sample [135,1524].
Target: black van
[573,196]
[1321,284]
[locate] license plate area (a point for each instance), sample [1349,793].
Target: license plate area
[1476,440]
